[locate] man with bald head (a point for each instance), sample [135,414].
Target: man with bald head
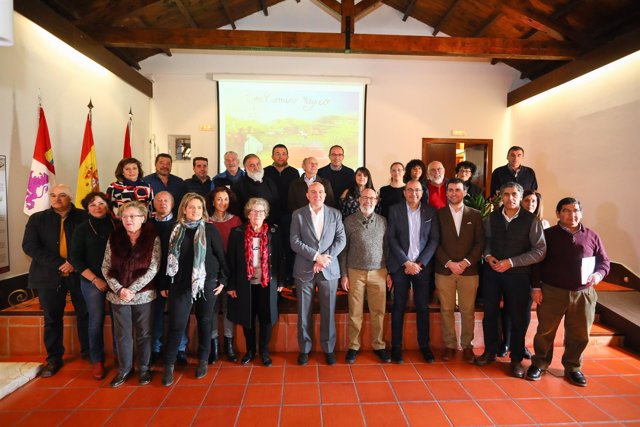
[298,187]
[437,185]
[46,238]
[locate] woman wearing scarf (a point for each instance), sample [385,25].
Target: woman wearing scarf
[129,186]
[256,263]
[198,273]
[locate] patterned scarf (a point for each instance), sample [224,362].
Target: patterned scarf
[249,235]
[199,273]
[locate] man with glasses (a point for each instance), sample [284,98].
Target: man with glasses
[413,239]
[340,176]
[363,268]
[47,236]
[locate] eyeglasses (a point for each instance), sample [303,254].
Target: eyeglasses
[125,217]
[413,190]
[258,212]
[464,171]
[368,199]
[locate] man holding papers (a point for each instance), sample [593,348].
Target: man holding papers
[564,286]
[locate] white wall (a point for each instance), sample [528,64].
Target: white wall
[582,139]
[40,63]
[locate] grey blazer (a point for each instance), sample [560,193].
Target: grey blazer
[305,243]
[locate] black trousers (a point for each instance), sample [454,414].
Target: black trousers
[515,286]
[421,284]
[53,302]
[260,310]
[179,310]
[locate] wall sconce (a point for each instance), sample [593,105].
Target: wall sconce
[206,128]
[6,23]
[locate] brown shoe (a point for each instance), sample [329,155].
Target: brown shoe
[449,353]
[517,370]
[468,355]
[485,359]
[98,371]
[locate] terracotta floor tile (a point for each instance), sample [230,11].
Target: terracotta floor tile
[435,371]
[262,416]
[447,390]
[61,379]
[296,416]
[595,388]
[581,410]
[466,370]
[11,418]
[87,418]
[623,367]
[342,415]
[383,415]
[188,377]
[595,367]
[185,396]
[401,372]
[146,397]
[337,373]
[43,418]
[551,386]
[217,416]
[171,417]
[301,374]
[25,398]
[338,393]
[131,417]
[225,395]
[108,398]
[301,394]
[68,398]
[425,414]
[232,376]
[411,391]
[465,414]
[483,389]
[263,375]
[517,388]
[543,411]
[620,384]
[267,394]
[85,379]
[618,408]
[368,373]
[504,412]
[375,392]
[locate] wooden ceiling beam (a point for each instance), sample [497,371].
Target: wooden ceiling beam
[227,14]
[332,7]
[126,57]
[409,10]
[184,11]
[561,12]
[65,9]
[116,11]
[488,23]
[263,6]
[45,17]
[348,20]
[365,7]
[443,19]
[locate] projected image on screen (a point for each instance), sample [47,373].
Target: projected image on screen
[307,117]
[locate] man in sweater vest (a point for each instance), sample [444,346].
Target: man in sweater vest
[514,242]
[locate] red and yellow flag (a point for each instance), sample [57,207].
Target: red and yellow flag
[88,171]
[127,141]
[43,174]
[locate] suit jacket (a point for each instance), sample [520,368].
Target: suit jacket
[305,243]
[469,244]
[297,197]
[398,235]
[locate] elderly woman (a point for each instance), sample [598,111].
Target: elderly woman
[256,264]
[466,170]
[349,199]
[130,264]
[129,186]
[198,273]
[86,255]
[532,202]
[394,192]
[218,202]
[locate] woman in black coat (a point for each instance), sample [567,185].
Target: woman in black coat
[256,267]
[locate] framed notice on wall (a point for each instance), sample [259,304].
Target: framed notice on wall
[4,226]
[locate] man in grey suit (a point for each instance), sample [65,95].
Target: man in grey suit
[413,239]
[317,238]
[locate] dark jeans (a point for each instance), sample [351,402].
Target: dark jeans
[158,326]
[127,318]
[260,310]
[179,309]
[515,286]
[53,302]
[421,284]
[95,301]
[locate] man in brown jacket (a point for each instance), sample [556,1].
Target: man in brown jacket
[457,258]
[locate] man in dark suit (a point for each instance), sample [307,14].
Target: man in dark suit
[457,260]
[317,237]
[413,239]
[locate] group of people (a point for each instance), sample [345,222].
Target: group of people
[230,243]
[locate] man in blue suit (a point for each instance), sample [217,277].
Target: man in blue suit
[317,238]
[413,238]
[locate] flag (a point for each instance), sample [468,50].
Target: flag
[88,171]
[127,142]
[42,176]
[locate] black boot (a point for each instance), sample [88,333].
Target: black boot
[228,349]
[202,369]
[213,353]
[167,375]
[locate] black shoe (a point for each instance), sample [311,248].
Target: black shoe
[266,359]
[155,356]
[248,357]
[202,369]
[350,357]
[485,359]
[517,370]
[503,350]
[383,355]
[396,355]
[145,377]
[534,373]
[50,369]
[119,379]
[330,358]
[181,358]
[526,354]
[213,353]
[229,350]
[167,375]
[303,359]
[427,355]
[576,378]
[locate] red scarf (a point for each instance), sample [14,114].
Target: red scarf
[249,235]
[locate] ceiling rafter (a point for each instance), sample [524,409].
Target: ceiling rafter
[409,10]
[126,57]
[117,11]
[561,12]
[332,7]
[443,18]
[65,9]
[487,24]
[365,7]
[263,6]
[227,14]
[184,11]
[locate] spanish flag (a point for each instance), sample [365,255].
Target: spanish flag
[88,171]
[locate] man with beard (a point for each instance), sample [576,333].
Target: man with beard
[163,180]
[437,185]
[255,184]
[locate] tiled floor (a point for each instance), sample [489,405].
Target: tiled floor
[367,393]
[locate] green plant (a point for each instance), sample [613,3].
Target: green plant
[485,206]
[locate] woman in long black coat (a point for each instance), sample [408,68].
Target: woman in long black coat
[256,267]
